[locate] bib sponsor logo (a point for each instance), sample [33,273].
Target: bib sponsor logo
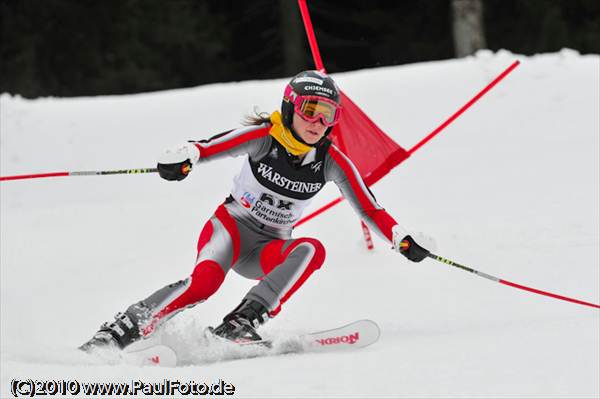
[316,166]
[269,209]
[343,339]
[247,200]
[308,79]
[319,89]
[271,175]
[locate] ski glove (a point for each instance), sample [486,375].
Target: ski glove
[413,251]
[176,164]
[174,171]
[406,245]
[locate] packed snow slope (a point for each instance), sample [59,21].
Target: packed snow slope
[510,188]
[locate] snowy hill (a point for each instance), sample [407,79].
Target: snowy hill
[511,188]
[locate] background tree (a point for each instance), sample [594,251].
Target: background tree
[293,37]
[467,26]
[91,47]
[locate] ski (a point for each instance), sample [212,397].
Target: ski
[355,335]
[154,355]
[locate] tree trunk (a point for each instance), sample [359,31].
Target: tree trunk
[467,18]
[293,38]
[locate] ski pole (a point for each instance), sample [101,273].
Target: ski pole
[81,173]
[505,282]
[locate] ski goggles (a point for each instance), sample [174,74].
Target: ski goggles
[313,108]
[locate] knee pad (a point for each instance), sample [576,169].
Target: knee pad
[206,279]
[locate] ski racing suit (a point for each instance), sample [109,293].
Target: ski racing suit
[251,232]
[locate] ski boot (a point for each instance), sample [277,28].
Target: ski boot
[240,325]
[120,333]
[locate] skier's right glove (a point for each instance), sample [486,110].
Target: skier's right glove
[407,246]
[412,250]
[176,164]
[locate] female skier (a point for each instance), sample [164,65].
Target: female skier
[289,160]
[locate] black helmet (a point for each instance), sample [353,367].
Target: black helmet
[312,84]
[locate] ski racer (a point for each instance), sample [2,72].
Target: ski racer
[289,160]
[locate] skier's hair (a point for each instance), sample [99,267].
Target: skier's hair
[256,119]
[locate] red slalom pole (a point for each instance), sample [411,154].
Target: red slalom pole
[318,211]
[314,48]
[80,173]
[310,33]
[367,234]
[464,107]
[510,284]
[34,176]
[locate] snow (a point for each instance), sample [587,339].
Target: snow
[511,188]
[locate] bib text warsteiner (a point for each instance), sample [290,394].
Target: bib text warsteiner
[270,174]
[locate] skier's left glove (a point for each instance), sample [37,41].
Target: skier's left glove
[406,245]
[176,163]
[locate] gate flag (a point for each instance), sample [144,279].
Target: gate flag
[372,151]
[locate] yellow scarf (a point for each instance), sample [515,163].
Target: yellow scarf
[285,137]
